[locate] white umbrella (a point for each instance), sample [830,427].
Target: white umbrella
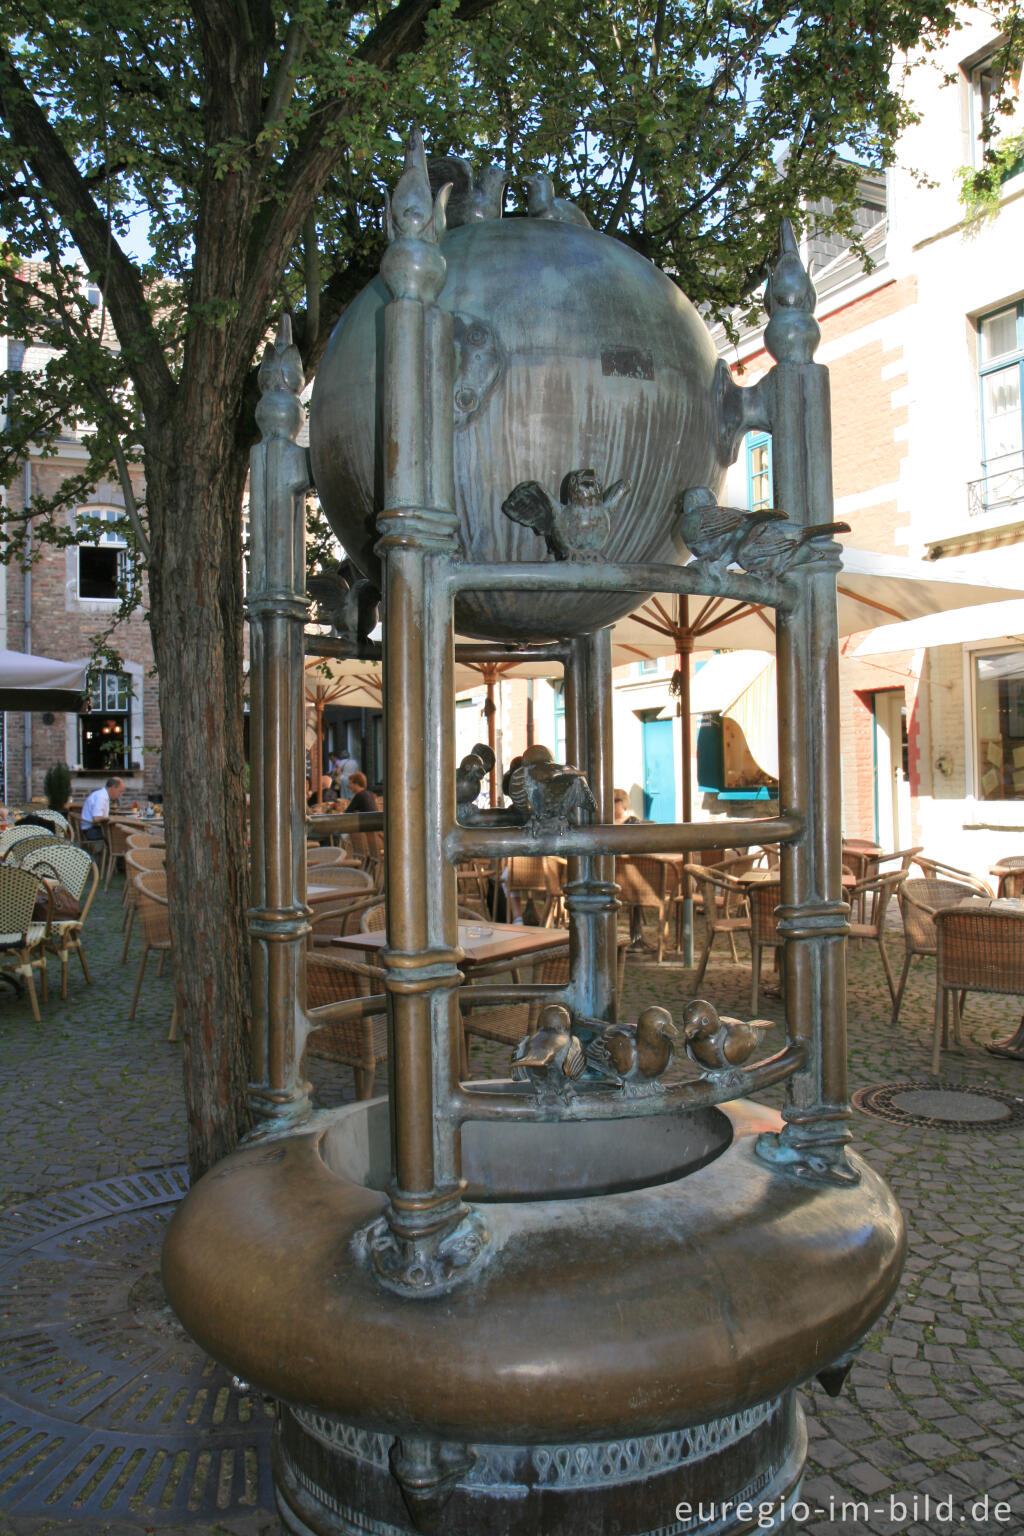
[983,621]
[32,682]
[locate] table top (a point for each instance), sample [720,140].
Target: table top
[339,890]
[481,941]
[1012,906]
[861,845]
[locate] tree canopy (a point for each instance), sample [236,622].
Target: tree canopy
[207,165]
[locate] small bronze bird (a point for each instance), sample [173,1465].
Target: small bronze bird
[576,528]
[472,199]
[717,534]
[716,1043]
[541,203]
[544,792]
[774,549]
[469,778]
[551,1057]
[635,1054]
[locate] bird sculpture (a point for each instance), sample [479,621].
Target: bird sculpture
[546,793]
[541,203]
[472,199]
[346,601]
[762,543]
[576,528]
[634,1055]
[552,1057]
[469,779]
[717,534]
[716,1043]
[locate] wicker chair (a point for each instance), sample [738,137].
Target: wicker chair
[116,836]
[22,939]
[361,1044]
[59,822]
[77,873]
[151,888]
[528,877]
[320,855]
[648,884]
[919,901]
[978,949]
[1011,877]
[872,897]
[725,910]
[16,842]
[144,840]
[932,869]
[374,918]
[764,897]
[137,861]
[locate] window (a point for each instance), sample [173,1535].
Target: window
[647,666]
[760,491]
[999,724]
[1001,360]
[105,733]
[104,567]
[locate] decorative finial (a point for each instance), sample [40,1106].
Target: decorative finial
[281,380]
[792,333]
[412,267]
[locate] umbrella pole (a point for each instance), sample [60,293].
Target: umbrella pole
[684,640]
[490,672]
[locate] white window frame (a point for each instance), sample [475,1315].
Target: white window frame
[135,674]
[995,812]
[76,603]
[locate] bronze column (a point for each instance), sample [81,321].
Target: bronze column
[278,917]
[813,917]
[590,891]
[418,530]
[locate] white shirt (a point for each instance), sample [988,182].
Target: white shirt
[96,807]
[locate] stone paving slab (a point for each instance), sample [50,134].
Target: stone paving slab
[933,1407]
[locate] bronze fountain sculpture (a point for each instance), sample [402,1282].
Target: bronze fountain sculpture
[581,1298]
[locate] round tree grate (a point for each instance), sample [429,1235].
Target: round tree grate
[943,1106]
[107,1407]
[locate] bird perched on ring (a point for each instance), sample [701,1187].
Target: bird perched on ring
[469,778]
[634,1054]
[716,1043]
[576,528]
[552,1057]
[762,543]
[541,203]
[546,793]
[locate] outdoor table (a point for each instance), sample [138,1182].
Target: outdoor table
[482,943]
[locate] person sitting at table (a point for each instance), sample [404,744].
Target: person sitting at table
[622,810]
[328,793]
[96,809]
[363,799]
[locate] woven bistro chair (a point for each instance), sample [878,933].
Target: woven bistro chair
[75,871]
[15,842]
[361,1044]
[1011,877]
[764,897]
[979,948]
[155,928]
[872,897]
[648,884]
[932,869]
[59,823]
[534,879]
[144,840]
[919,901]
[726,910]
[22,939]
[322,855]
[137,861]
[116,836]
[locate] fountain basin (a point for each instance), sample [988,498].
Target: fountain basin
[629,1313]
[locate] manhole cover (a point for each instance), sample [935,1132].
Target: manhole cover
[107,1407]
[947,1106]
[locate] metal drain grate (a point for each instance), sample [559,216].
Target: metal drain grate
[956,1107]
[106,1405]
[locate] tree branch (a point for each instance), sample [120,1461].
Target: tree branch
[64,188]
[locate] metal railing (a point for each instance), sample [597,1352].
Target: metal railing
[1003,486]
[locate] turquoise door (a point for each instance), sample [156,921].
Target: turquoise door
[659,771]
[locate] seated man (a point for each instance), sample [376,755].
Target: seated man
[96,810]
[363,799]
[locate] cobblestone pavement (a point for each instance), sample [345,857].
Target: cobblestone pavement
[933,1408]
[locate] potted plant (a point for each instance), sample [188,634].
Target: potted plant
[57,786]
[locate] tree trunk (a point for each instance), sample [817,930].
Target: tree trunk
[195,482]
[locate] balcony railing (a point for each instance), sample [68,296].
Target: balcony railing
[1003,486]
